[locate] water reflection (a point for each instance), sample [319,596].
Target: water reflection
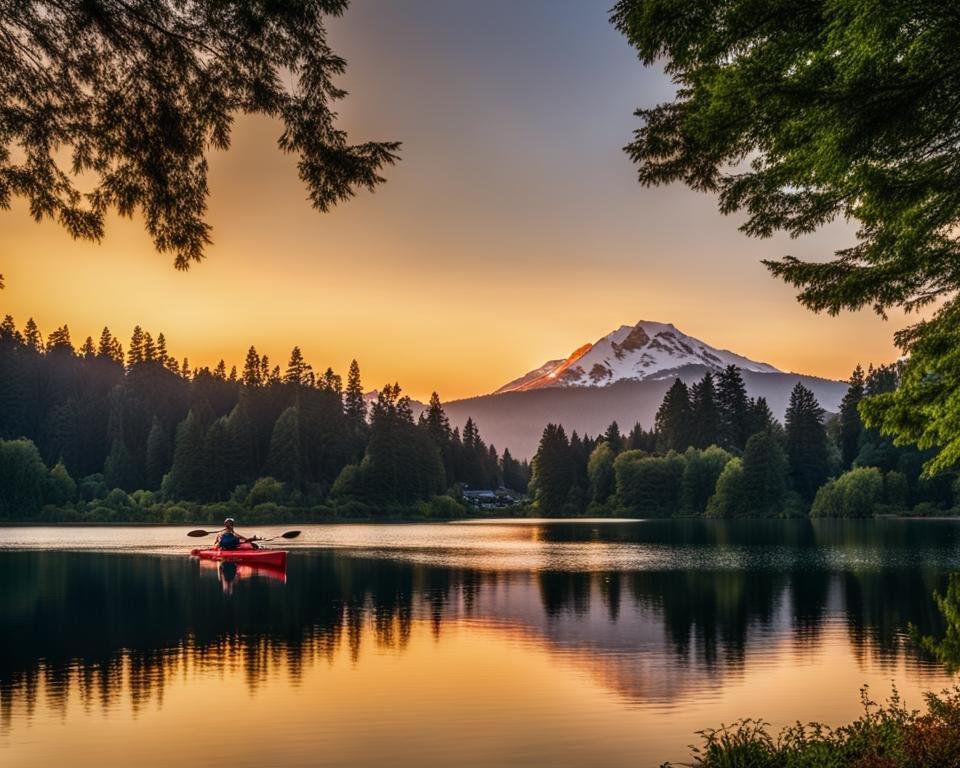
[103,629]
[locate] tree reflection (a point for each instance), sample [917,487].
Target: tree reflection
[99,626]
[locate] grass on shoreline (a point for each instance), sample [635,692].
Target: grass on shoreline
[884,736]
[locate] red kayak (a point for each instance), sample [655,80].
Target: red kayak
[272,558]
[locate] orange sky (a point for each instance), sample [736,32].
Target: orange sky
[511,232]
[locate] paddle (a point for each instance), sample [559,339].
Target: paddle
[287,535]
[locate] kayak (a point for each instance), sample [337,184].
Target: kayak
[271,558]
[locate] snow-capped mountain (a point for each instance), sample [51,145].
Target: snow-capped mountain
[647,350]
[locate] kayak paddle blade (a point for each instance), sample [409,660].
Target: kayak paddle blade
[290,534]
[197,534]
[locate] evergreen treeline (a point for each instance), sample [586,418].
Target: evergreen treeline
[716,452]
[124,429]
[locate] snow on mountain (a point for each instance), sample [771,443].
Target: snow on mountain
[646,350]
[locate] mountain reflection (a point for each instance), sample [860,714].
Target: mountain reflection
[102,626]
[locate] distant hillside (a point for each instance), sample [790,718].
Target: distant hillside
[515,419]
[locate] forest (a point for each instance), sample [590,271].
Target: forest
[101,433]
[107,434]
[716,452]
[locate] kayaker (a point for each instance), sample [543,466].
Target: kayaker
[229,539]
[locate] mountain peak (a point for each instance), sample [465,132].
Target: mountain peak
[646,350]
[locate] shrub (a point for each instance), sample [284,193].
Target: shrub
[441,507]
[728,499]
[854,494]
[888,736]
[265,490]
[649,486]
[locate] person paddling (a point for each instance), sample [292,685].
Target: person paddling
[229,539]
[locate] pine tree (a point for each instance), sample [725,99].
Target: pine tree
[59,340]
[161,354]
[149,348]
[185,371]
[264,371]
[765,476]
[88,350]
[158,455]
[220,372]
[851,426]
[297,369]
[613,437]
[32,337]
[673,425]
[283,460]
[187,476]
[354,406]
[806,442]
[135,351]
[762,418]
[734,408]
[331,382]
[514,476]
[105,347]
[232,378]
[552,473]
[704,413]
[252,375]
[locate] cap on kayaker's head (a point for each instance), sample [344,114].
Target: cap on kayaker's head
[228,523]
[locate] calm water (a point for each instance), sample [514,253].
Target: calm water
[534,643]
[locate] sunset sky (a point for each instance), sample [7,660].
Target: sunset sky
[511,232]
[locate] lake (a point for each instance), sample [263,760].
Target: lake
[515,643]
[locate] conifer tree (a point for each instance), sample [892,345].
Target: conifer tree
[105,347]
[806,443]
[161,353]
[59,340]
[762,418]
[331,382]
[851,426]
[158,455]
[252,374]
[88,350]
[149,348]
[515,477]
[704,413]
[765,476]
[552,470]
[220,372]
[283,460]
[354,406]
[673,425]
[185,371]
[32,337]
[734,408]
[232,378]
[186,479]
[298,369]
[135,351]
[613,437]
[264,371]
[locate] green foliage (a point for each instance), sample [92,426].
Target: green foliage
[886,736]
[803,114]
[729,498]
[552,471]
[266,489]
[61,488]
[283,460]
[854,494]
[131,97]
[441,508]
[700,474]
[23,479]
[765,476]
[600,472]
[946,650]
[673,421]
[806,442]
[649,486]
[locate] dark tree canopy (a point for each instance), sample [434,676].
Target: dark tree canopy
[131,95]
[797,114]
